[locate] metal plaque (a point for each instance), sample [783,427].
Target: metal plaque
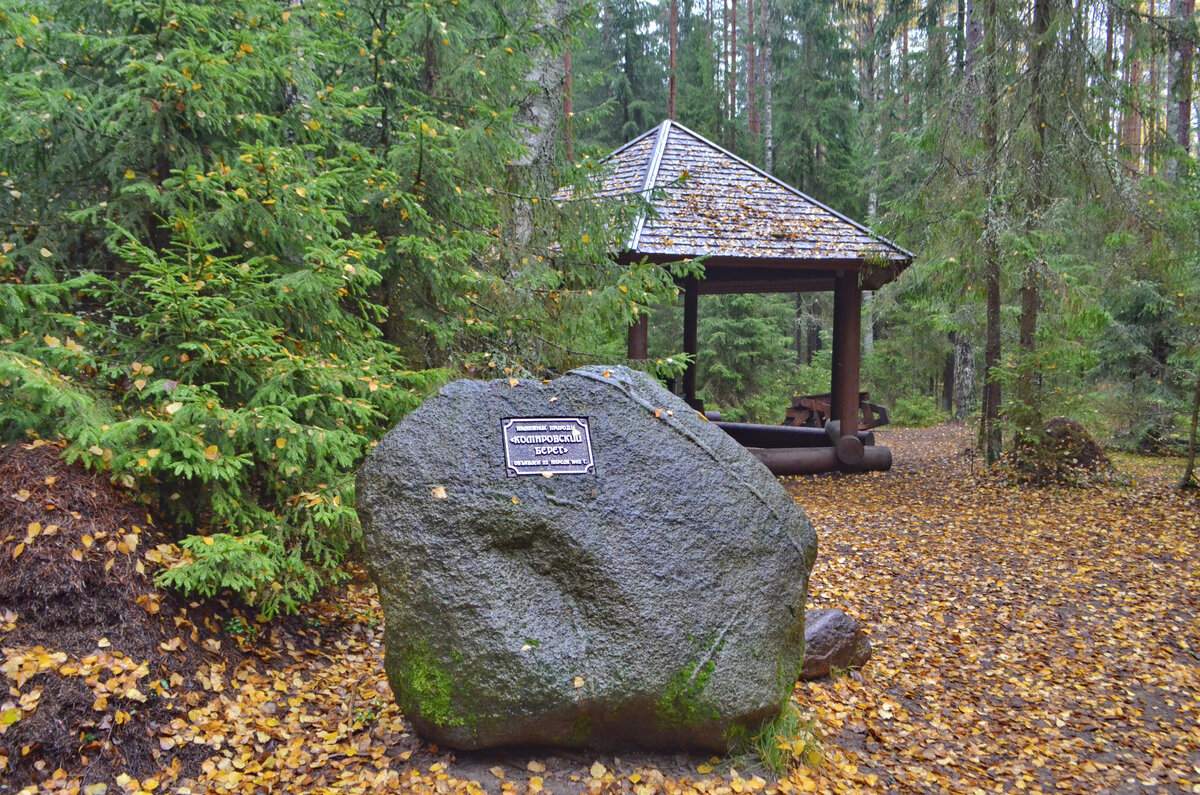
[547,446]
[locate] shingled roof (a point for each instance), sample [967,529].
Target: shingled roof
[759,234]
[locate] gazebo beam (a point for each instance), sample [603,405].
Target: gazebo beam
[847,351]
[637,343]
[691,311]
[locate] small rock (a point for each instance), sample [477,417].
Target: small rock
[832,639]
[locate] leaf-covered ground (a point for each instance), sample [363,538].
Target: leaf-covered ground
[1025,640]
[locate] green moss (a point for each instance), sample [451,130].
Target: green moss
[582,730]
[428,689]
[682,703]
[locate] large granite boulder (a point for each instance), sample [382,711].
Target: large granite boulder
[655,600]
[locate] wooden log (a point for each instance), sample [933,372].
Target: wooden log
[797,460]
[774,436]
[833,429]
[875,459]
[850,450]
[751,435]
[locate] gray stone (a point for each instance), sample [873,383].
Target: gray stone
[833,639]
[657,603]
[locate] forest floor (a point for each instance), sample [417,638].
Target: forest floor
[1025,640]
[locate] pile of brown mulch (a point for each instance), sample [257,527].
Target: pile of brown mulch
[1066,455]
[95,658]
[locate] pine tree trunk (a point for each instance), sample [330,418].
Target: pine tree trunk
[569,108]
[1109,35]
[733,75]
[800,331]
[1028,399]
[868,322]
[768,85]
[1131,120]
[974,36]
[1150,120]
[948,380]
[751,70]
[1189,473]
[673,21]
[991,431]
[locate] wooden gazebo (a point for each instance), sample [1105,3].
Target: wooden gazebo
[758,235]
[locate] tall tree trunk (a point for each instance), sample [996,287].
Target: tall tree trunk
[964,376]
[673,21]
[990,421]
[800,331]
[1028,400]
[974,38]
[813,341]
[569,107]
[1150,118]
[1179,108]
[808,327]
[1131,119]
[948,381]
[868,322]
[1109,35]
[961,45]
[538,115]
[768,86]
[733,75]
[1189,472]
[727,113]
[751,70]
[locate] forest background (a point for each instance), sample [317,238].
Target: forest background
[238,242]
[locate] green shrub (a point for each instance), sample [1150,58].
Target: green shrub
[184,294]
[917,412]
[242,240]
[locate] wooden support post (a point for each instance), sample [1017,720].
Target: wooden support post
[637,344]
[847,330]
[691,309]
[835,358]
